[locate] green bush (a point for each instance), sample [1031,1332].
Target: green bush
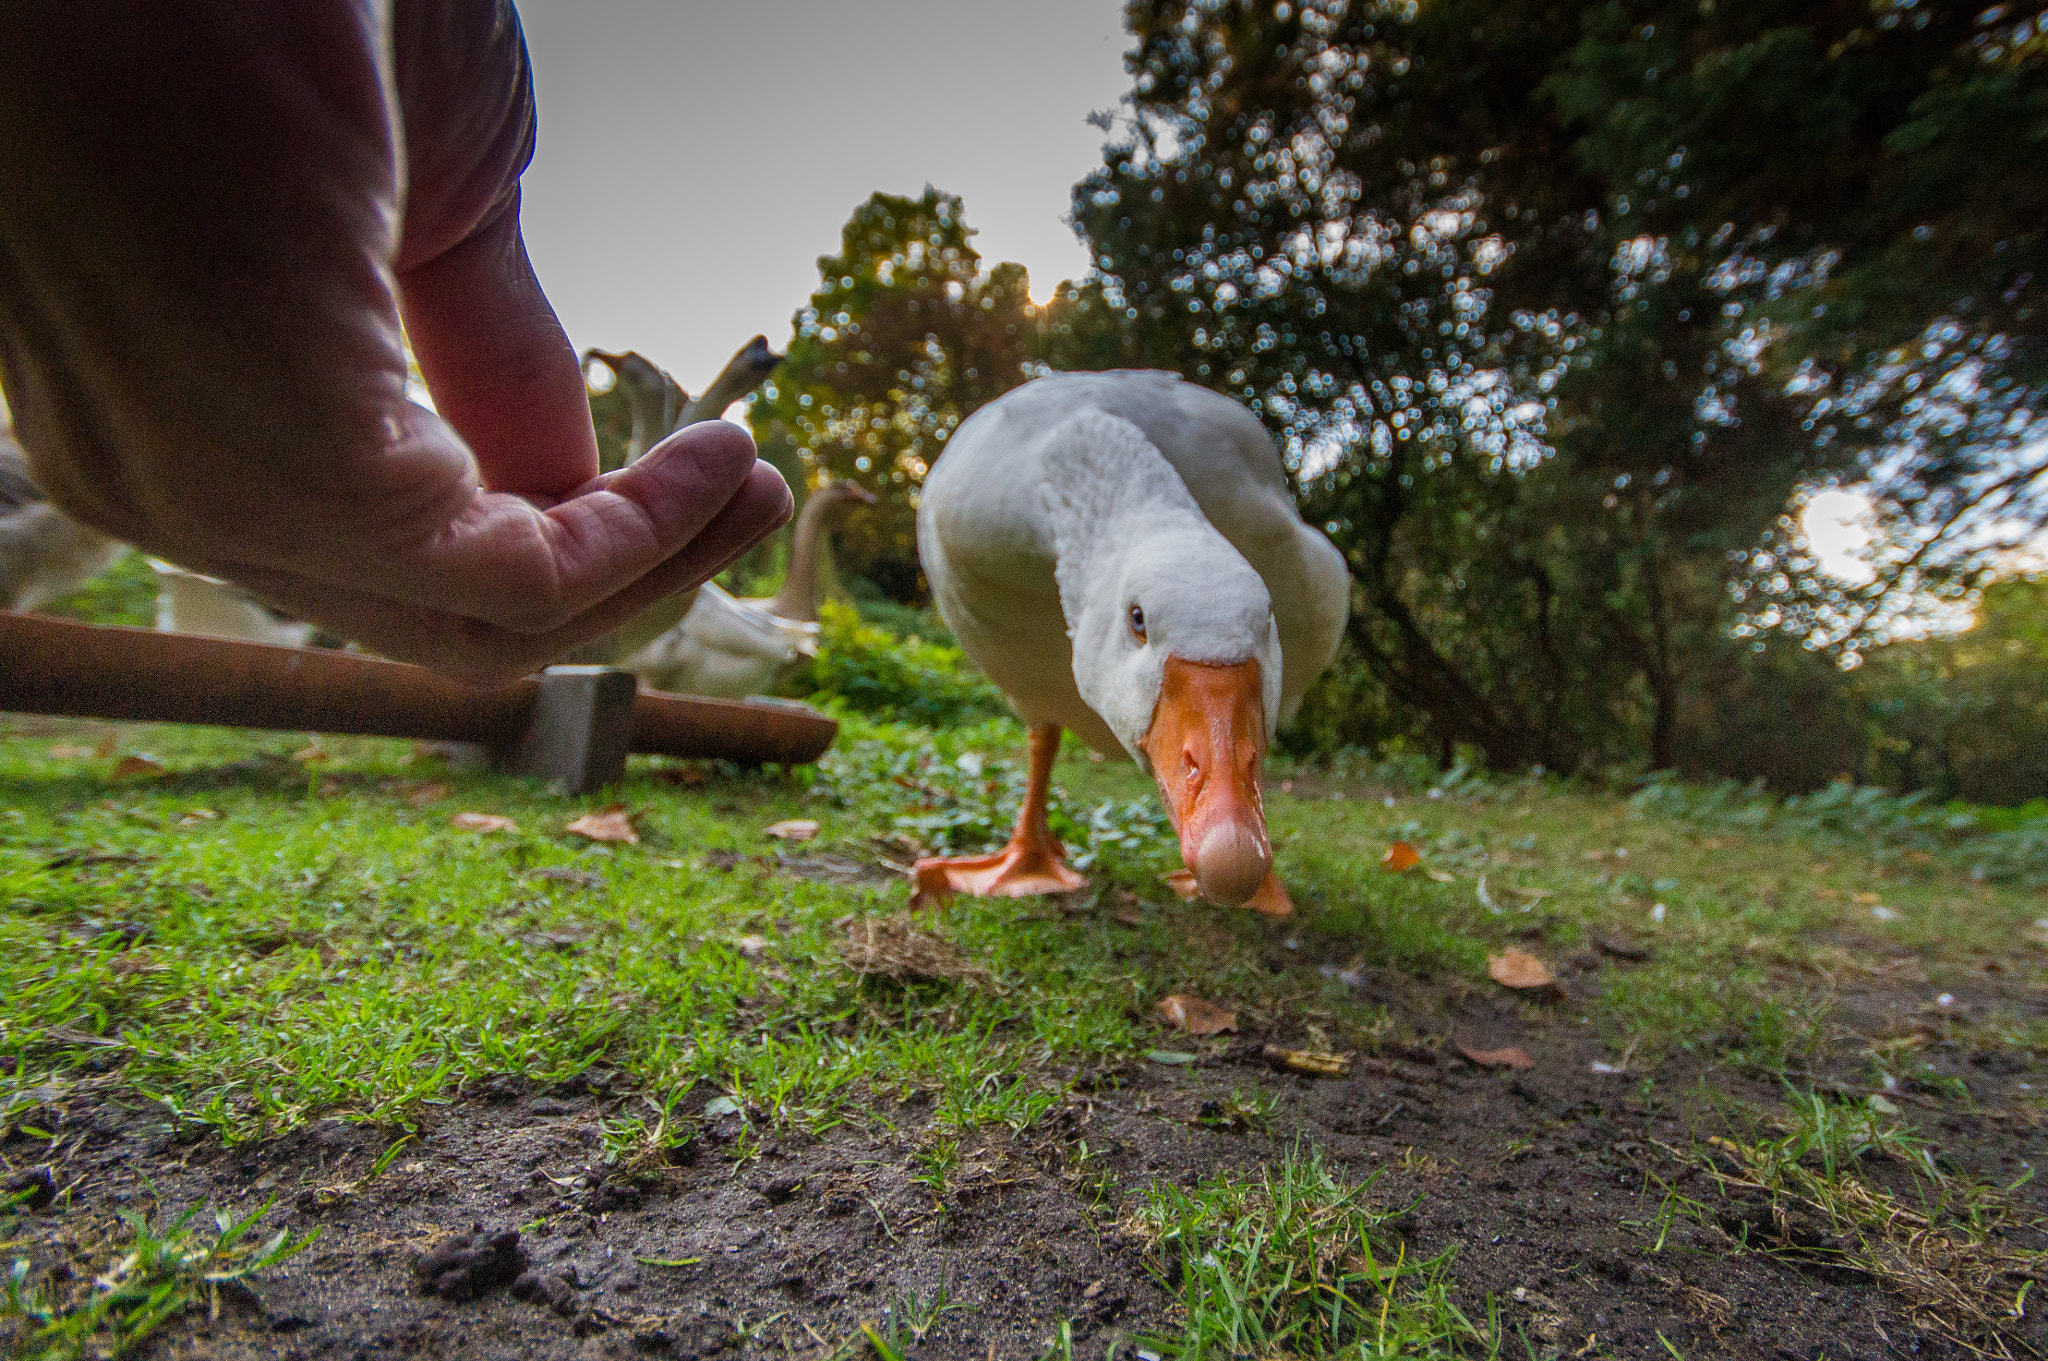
[870,670]
[123,594]
[1966,716]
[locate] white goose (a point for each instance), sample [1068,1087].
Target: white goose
[44,553]
[733,648]
[1121,554]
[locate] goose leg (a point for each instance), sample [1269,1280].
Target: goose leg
[1029,864]
[1270,900]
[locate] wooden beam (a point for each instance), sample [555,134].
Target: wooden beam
[55,666]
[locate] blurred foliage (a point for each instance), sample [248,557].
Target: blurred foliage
[123,594]
[1966,716]
[870,670]
[2011,850]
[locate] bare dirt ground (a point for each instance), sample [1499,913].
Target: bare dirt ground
[1549,1183]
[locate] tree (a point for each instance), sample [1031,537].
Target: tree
[904,338]
[1967,716]
[1531,337]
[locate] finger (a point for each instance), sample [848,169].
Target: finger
[498,363]
[484,654]
[529,569]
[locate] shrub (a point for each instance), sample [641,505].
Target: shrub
[870,670]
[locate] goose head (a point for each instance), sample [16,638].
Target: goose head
[1175,647]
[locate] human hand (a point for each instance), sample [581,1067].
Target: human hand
[216,216]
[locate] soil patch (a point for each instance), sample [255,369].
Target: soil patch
[1548,1181]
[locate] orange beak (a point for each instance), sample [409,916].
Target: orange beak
[1206,743]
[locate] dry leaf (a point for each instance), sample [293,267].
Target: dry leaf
[607,824]
[1400,856]
[1510,1057]
[197,816]
[484,822]
[66,751]
[1309,1061]
[1519,969]
[311,752]
[1195,1016]
[139,765]
[1869,899]
[1442,876]
[418,793]
[794,829]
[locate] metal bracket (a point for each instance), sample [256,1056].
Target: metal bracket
[581,730]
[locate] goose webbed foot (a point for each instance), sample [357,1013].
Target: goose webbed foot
[1022,869]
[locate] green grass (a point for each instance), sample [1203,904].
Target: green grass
[116,1293]
[252,940]
[1296,1262]
[1846,1184]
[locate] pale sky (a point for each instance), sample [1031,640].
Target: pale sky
[695,160]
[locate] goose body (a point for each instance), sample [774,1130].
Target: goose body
[732,648]
[44,553]
[189,602]
[724,647]
[1121,554]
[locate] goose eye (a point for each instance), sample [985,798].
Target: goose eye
[1138,622]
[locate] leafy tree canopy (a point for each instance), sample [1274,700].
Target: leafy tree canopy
[904,338]
[1556,308]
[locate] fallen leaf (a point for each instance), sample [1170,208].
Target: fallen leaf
[1169,1056]
[562,874]
[1400,856]
[66,751]
[108,744]
[197,816]
[1486,899]
[613,823]
[1869,899]
[1510,1057]
[794,829]
[1195,1016]
[1309,1061]
[484,822]
[139,765]
[1519,969]
[1441,876]
[419,794]
[721,1105]
[752,946]
[311,752]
